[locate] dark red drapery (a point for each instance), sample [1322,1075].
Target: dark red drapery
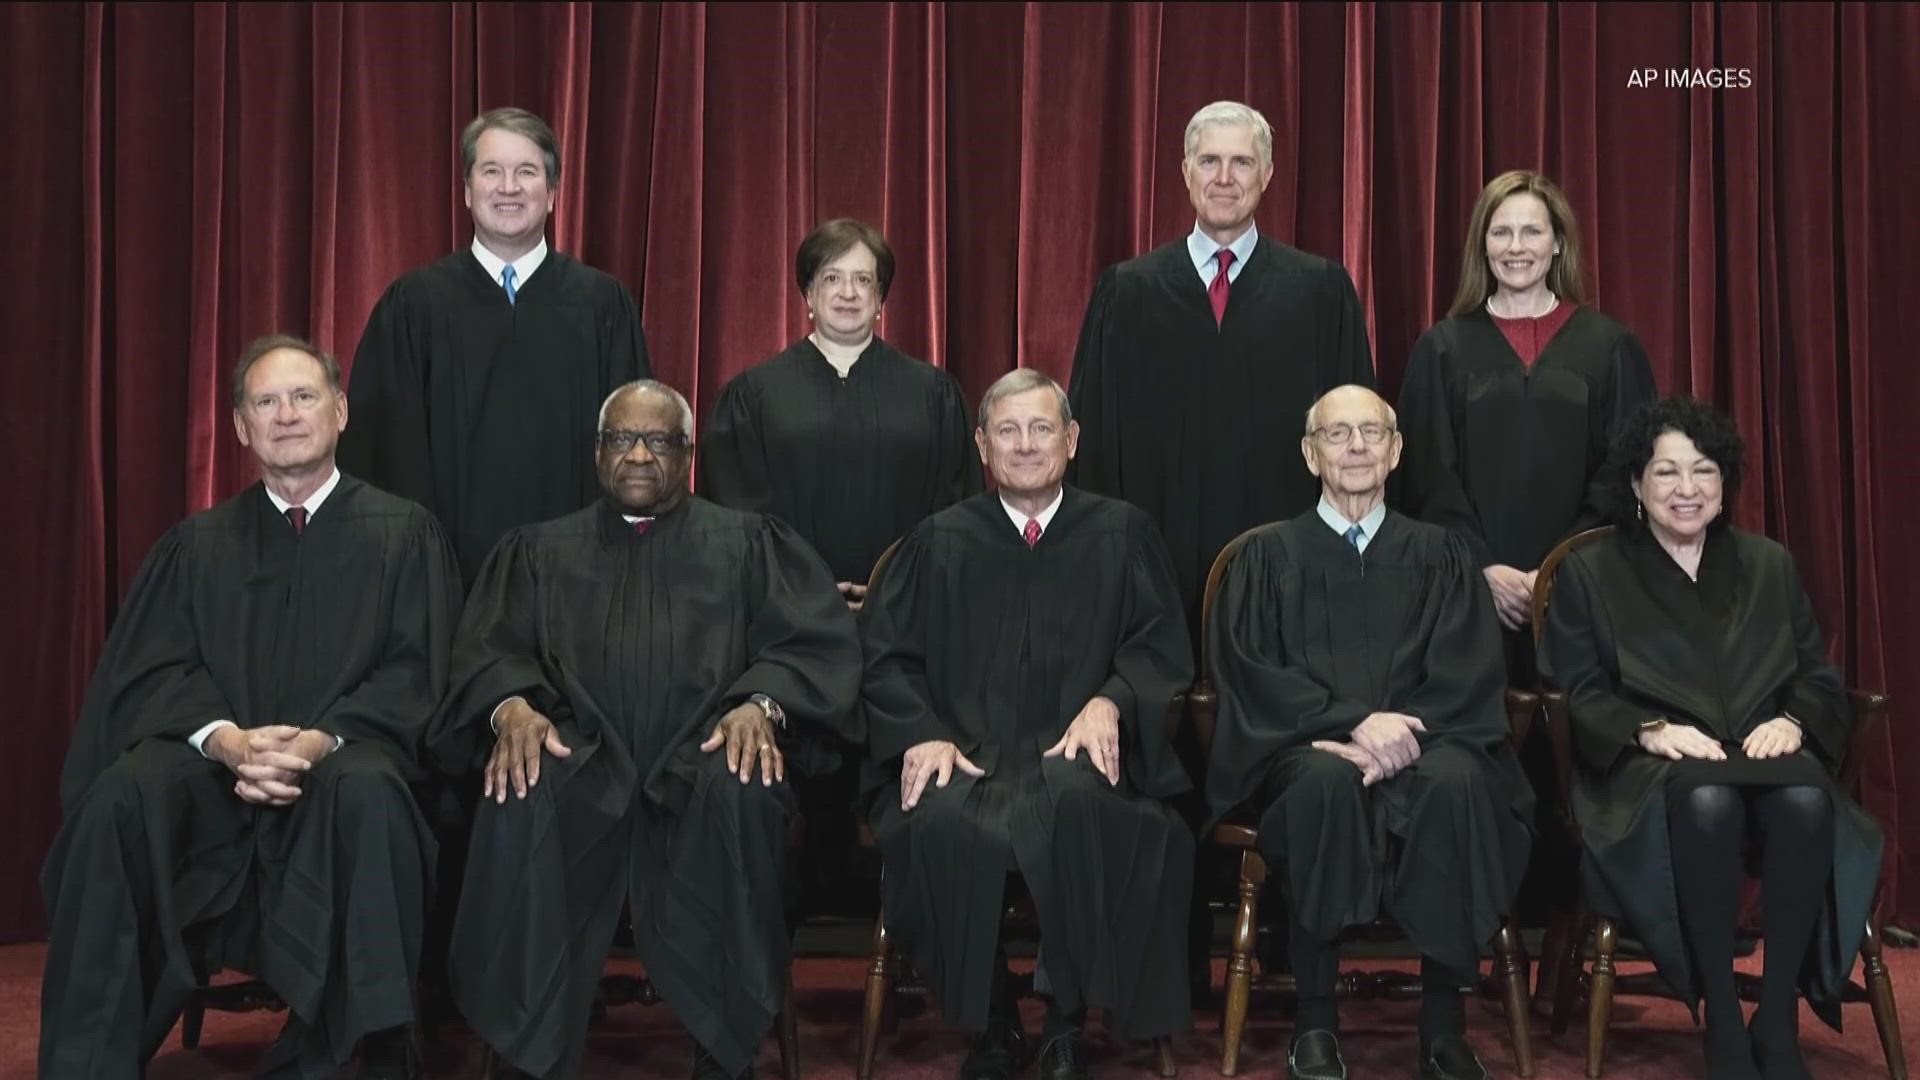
[188,176]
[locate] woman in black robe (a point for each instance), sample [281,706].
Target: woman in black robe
[1510,400]
[1704,711]
[851,442]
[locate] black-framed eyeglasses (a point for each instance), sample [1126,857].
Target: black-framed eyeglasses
[1342,434]
[659,443]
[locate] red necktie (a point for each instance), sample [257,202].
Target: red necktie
[297,517]
[640,527]
[1221,285]
[1032,531]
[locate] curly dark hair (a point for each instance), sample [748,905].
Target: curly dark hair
[1712,432]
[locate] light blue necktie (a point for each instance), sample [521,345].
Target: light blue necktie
[507,276]
[1353,536]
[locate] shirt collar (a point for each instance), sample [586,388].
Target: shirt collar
[523,267]
[1201,247]
[1046,516]
[1369,525]
[313,501]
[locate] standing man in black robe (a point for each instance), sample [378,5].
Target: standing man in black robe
[236,794]
[476,381]
[1362,722]
[1190,351]
[622,681]
[1022,649]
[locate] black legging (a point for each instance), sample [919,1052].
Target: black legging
[1708,829]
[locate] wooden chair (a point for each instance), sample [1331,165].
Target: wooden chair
[1603,983]
[1239,834]
[886,977]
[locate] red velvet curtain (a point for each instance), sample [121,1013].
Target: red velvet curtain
[185,177]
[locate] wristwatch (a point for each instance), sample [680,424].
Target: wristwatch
[776,715]
[1652,725]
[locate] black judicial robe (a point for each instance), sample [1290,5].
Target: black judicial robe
[484,411]
[1308,638]
[1630,637]
[972,637]
[161,873]
[635,645]
[852,464]
[1511,457]
[1197,424]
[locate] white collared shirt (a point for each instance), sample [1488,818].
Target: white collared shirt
[1045,517]
[198,740]
[1202,248]
[523,267]
[1369,525]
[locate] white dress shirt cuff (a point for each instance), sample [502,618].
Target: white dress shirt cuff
[198,740]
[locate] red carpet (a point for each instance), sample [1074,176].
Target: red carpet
[1651,1038]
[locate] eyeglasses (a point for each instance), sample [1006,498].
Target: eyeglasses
[831,280]
[1342,434]
[659,443]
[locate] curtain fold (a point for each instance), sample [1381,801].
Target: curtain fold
[189,176]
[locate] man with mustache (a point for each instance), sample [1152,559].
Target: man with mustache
[623,681]
[1361,722]
[237,792]
[478,374]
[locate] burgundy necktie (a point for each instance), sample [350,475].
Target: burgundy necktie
[297,517]
[1221,285]
[1032,531]
[640,527]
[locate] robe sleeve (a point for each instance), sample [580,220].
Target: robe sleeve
[1267,704]
[1431,474]
[958,460]
[1344,355]
[397,699]
[895,695]
[624,342]
[1461,696]
[496,655]
[152,681]
[802,648]
[1152,661]
[1093,391]
[1816,695]
[385,442]
[733,458]
[1631,385]
[1577,655]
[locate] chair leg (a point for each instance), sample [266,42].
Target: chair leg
[1163,1049]
[1511,958]
[1253,873]
[1600,994]
[789,1035]
[191,1018]
[879,988]
[1886,1016]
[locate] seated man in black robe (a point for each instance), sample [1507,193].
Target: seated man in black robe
[1022,649]
[237,792]
[621,680]
[1362,723]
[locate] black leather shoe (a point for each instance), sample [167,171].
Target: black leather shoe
[997,1052]
[389,1055]
[706,1068]
[1062,1058]
[1450,1058]
[1315,1055]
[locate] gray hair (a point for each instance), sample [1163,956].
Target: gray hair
[1019,381]
[1232,114]
[649,386]
[519,122]
[261,346]
[1313,410]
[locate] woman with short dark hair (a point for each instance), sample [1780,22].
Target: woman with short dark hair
[1706,722]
